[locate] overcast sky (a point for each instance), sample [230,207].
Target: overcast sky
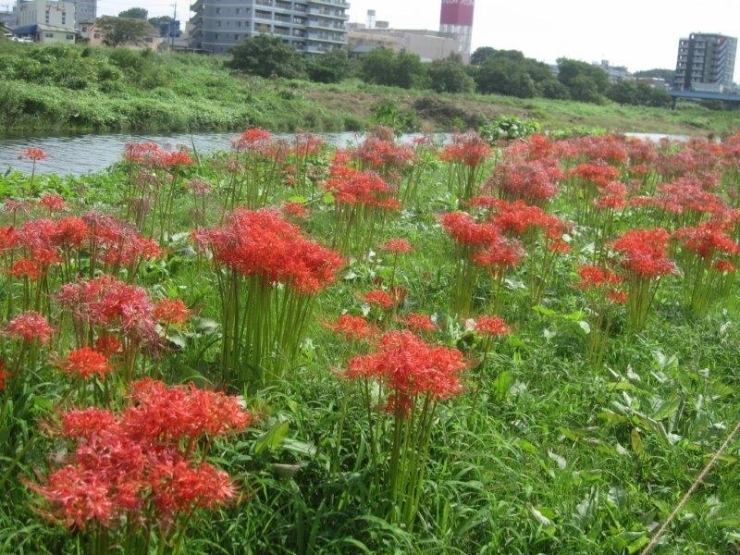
[638,34]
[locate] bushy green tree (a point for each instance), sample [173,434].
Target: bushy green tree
[481,55]
[638,94]
[266,55]
[383,66]
[449,76]
[134,13]
[124,30]
[331,67]
[585,82]
[510,73]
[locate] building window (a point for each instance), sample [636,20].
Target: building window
[49,35]
[218,24]
[96,35]
[218,11]
[236,37]
[238,10]
[70,37]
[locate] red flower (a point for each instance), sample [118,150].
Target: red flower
[33,154]
[379,298]
[29,326]
[595,276]
[408,366]
[107,345]
[85,362]
[643,253]
[352,327]
[418,322]
[171,311]
[491,326]
[53,203]
[397,246]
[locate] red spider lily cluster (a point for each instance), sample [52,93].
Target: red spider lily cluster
[261,243]
[34,154]
[643,253]
[409,367]
[142,466]
[356,187]
[84,363]
[352,327]
[383,156]
[151,155]
[29,326]
[490,326]
[468,149]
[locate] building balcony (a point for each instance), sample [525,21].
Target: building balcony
[339,3]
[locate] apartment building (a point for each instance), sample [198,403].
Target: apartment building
[310,26]
[705,60]
[46,21]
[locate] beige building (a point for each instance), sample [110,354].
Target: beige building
[96,37]
[46,21]
[428,45]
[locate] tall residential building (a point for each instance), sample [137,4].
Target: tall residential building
[86,11]
[456,18]
[310,26]
[706,60]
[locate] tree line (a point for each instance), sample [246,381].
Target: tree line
[491,71]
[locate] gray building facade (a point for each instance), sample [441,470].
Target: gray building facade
[310,26]
[705,59]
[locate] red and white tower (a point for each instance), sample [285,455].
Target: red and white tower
[456,18]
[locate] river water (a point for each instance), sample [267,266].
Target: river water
[79,155]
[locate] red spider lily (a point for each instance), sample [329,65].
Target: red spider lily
[534,181]
[262,244]
[519,218]
[107,345]
[418,323]
[380,298]
[707,240]
[397,246]
[384,155]
[468,149]
[29,326]
[643,253]
[295,209]
[26,268]
[252,140]
[598,173]
[85,362]
[352,327]
[53,203]
[37,238]
[500,256]
[609,148]
[688,194]
[151,155]
[613,196]
[140,466]
[366,188]
[490,326]
[117,243]
[171,311]
[465,231]
[112,305]
[596,276]
[34,154]
[306,145]
[408,366]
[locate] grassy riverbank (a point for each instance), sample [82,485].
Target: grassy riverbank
[61,89]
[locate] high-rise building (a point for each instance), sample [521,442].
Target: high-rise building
[311,26]
[86,11]
[456,18]
[705,59]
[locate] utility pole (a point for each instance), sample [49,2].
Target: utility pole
[172,28]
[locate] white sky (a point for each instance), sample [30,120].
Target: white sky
[639,34]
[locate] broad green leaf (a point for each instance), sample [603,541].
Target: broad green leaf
[273,437]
